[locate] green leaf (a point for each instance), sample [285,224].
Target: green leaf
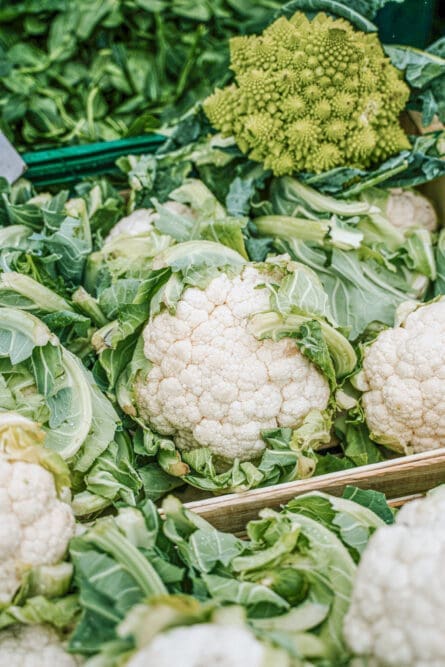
[439,285]
[301,289]
[359,448]
[197,253]
[312,344]
[59,612]
[210,547]
[327,463]
[349,278]
[337,9]
[258,599]
[239,196]
[228,232]
[373,500]
[419,67]
[407,169]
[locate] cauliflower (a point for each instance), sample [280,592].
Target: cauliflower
[212,383]
[141,221]
[403,382]
[311,95]
[179,630]
[397,612]
[35,524]
[404,208]
[33,646]
[130,246]
[408,208]
[202,644]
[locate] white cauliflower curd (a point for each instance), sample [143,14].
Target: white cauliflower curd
[33,646]
[408,208]
[397,612]
[403,380]
[35,525]
[212,383]
[205,644]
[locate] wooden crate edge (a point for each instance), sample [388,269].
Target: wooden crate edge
[402,477]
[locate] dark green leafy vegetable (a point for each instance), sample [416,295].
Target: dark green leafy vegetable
[95,70]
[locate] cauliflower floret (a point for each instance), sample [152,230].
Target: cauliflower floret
[34,646]
[403,379]
[202,644]
[397,612]
[213,383]
[141,220]
[35,526]
[428,511]
[408,208]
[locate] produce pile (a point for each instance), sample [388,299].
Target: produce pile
[306,587]
[262,300]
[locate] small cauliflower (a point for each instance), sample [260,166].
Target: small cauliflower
[129,248]
[212,383]
[408,208]
[35,523]
[397,612]
[202,644]
[403,207]
[403,382]
[178,630]
[141,221]
[311,96]
[34,646]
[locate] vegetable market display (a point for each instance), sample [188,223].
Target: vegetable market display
[260,301]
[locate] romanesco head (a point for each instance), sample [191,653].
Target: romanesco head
[311,96]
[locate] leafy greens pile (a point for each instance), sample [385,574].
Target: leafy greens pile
[78,72]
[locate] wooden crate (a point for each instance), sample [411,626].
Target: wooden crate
[398,479]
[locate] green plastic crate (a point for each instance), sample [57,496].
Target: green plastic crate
[71,164]
[409,23]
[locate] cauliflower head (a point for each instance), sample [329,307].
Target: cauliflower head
[141,221]
[311,95]
[34,646]
[212,383]
[202,644]
[397,612]
[408,208]
[403,379]
[35,524]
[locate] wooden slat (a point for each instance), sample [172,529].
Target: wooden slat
[401,477]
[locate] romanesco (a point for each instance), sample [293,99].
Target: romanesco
[311,95]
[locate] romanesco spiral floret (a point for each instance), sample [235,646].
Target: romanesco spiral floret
[326,94]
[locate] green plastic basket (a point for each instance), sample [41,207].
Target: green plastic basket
[71,164]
